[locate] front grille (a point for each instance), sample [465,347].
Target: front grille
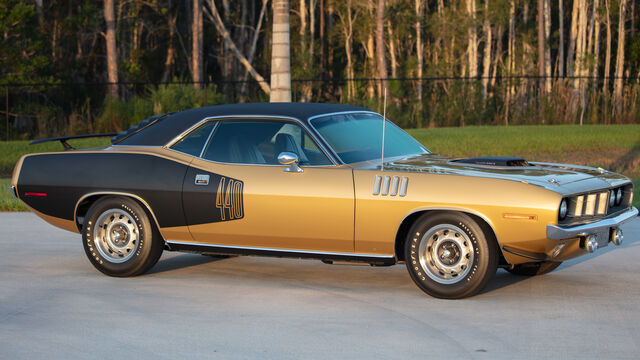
[594,205]
[589,204]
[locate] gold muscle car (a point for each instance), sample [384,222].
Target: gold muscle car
[315,181]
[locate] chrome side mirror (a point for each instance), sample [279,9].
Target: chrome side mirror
[291,159]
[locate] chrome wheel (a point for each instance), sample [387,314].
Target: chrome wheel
[446,253]
[116,235]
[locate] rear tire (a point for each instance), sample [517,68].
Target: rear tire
[448,255]
[532,269]
[119,239]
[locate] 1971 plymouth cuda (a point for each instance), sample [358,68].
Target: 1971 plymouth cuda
[311,181]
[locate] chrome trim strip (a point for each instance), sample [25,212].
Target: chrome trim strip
[153,215]
[280,250]
[329,154]
[376,185]
[206,143]
[12,188]
[555,232]
[342,113]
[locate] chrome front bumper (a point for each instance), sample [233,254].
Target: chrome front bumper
[556,232]
[13,191]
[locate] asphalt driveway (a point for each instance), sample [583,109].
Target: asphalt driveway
[55,305]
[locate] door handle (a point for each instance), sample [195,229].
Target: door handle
[202,179]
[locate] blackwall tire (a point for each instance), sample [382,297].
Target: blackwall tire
[448,255]
[532,269]
[119,238]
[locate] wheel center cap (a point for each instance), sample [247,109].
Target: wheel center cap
[448,253]
[119,235]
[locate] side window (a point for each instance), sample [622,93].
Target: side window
[193,143]
[260,142]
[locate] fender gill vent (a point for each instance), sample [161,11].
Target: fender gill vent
[392,186]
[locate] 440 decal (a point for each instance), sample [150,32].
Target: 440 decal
[229,199]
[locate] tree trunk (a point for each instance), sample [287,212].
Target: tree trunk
[40,12]
[472,38]
[419,53]
[392,50]
[196,44]
[580,43]
[217,21]
[305,93]
[168,62]
[561,59]
[573,35]
[541,46]
[547,35]
[607,57]
[380,47]
[312,31]
[323,43]
[112,56]
[280,53]
[254,44]
[347,28]
[596,40]
[486,63]
[618,83]
[510,55]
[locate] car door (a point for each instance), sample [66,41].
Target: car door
[237,194]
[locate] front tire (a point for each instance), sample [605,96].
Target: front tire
[448,255]
[119,239]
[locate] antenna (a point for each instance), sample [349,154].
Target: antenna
[384,118]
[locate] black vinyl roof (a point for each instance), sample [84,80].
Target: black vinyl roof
[163,129]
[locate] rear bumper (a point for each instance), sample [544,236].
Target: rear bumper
[555,232]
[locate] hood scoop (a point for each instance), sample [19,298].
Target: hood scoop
[498,161]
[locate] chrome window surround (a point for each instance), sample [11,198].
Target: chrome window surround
[352,112]
[206,142]
[330,155]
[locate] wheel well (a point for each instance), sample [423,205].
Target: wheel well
[403,231]
[86,203]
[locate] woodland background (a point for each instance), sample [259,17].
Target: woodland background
[79,66]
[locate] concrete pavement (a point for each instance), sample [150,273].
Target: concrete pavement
[55,305]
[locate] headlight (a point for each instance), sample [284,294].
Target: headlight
[618,196]
[612,198]
[563,210]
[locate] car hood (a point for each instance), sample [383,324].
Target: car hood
[561,178]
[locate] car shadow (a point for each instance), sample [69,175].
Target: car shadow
[181,261]
[502,279]
[357,278]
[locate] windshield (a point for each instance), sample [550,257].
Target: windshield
[357,137]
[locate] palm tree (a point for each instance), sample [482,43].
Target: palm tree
[280,54]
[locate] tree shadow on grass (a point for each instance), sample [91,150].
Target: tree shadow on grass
[629,162]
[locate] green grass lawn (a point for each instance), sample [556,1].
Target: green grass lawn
[615,147]
[529,140]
